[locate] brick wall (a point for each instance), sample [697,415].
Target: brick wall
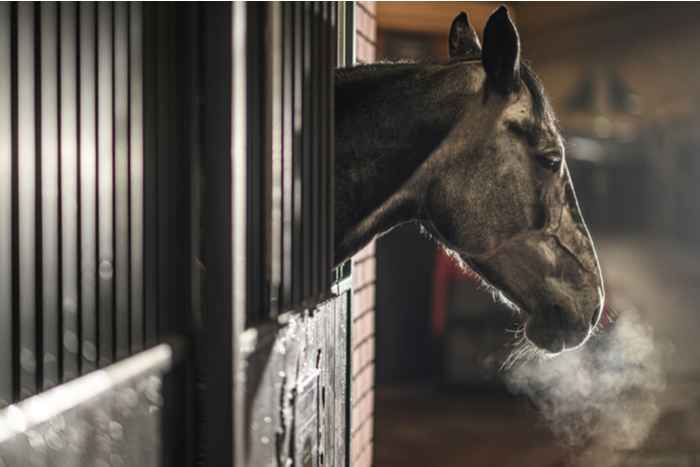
[364,286]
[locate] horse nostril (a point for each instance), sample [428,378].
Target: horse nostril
[596,315]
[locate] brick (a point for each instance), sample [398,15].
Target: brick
[363,354]
[371,315]
[369,267]
[361,383]
[355,364]
[361,21]
[370,292]
[371,7]
[358,296]
[372,30]
[369,345]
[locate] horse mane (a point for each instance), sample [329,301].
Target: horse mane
[541,108]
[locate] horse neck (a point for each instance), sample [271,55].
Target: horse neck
[389,119]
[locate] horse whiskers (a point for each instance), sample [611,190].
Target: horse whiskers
[522,350]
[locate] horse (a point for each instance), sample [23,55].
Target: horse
[469,148]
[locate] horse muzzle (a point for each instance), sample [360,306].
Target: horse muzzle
[561,329]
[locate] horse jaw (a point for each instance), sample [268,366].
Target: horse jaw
[553,277]
[561,301]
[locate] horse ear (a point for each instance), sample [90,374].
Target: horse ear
[501,55]
[463,38]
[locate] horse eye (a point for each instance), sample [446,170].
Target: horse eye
[549,161]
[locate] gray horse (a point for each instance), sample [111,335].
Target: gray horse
[469,148]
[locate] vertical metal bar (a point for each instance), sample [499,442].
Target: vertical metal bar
[105,185]
[350,46]
[340,54]
[239,216]
[6,379]
[307,153]
[88,200]
[49,193]
[346,314]
[166,169]
[275,82]
[257,144]
[297,163]
[150,179]
[330,169]
[325,70]
[136,174]
[287,155]
[316,155]
[26,167]
[121,178]
[69,186]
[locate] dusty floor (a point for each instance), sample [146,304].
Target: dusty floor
[428,426]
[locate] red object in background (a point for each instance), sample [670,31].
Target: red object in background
[446,270]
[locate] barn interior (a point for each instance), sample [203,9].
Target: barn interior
[624,81]
[167,285]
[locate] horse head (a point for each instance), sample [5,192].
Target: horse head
[501,196]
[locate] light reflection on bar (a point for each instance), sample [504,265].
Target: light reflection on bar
[105,172]
[88,201]
[136,174]
[26,168]
[5,209]
[121,177]
[239,174]
[69,184]
[297,237]
[275,57]
[150,186]
[287,154]
[49,192]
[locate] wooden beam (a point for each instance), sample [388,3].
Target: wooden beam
[431,18]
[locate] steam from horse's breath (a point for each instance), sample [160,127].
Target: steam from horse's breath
[599,398]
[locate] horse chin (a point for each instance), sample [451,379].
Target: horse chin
[553,341]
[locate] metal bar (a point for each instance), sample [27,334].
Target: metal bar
[326,66]
[105,185]
[136,200]
[297,149]
[88,202]
[316,155]
[121,178]
[306,153]
[136,174]
[150,167]
[350,46]
[31,413]
[287,155]
[239,176]
[166,169]
[330,170]
[346,314]
[276,170]
[6,338]
[69,188]
[49,194]
[340,54]
[27,197]
[258,296]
